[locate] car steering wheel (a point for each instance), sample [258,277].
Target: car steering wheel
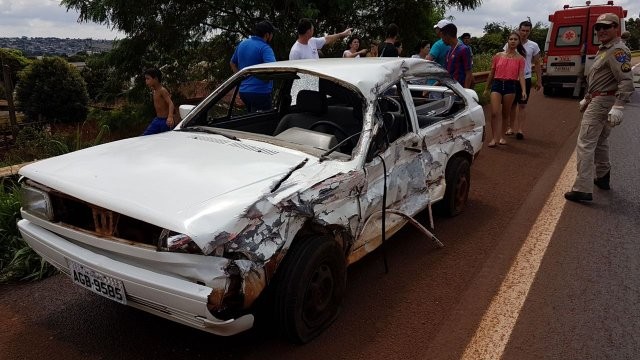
[393,101]
[337,127]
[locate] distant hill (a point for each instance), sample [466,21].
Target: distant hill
[38,46]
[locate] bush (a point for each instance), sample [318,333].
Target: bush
[482,62]
[18,262]
[52,90]
[129,120]
[35,143]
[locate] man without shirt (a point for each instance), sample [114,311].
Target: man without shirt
[307,46]
[518,114]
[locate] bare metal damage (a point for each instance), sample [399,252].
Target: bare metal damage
[347,205]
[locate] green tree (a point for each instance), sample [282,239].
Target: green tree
[102,79]
[16,62]
[159,31]
[633,27]
[52,90]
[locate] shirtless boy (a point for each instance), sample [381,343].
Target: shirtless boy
[161,101]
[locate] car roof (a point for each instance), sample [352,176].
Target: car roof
[369,75]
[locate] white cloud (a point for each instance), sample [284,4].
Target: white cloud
[514,11]
[46,18]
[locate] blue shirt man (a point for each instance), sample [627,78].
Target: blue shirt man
[255,93]
[439,49]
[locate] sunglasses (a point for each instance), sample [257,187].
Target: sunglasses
[599,27]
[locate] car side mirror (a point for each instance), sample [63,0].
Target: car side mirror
[184,110]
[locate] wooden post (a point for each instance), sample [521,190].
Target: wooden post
[8,88]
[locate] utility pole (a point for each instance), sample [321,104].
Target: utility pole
[8,89]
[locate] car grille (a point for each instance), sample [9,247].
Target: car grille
[103,222]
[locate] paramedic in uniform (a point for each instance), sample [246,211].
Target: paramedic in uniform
[609,87]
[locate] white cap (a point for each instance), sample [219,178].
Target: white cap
[442,23]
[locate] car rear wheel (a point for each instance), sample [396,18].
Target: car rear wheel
[310,287]
[458,179]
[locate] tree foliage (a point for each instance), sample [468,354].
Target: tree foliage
[53,90]
[633,27]
[16,62]
[170,32]
[496,35]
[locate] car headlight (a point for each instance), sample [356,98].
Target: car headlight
[37,202]
[175,242]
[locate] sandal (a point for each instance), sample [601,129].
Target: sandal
[502,142]
[492,144]
[508,132]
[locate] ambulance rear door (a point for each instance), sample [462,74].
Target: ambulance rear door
[566,46]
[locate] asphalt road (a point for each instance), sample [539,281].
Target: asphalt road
[523,275]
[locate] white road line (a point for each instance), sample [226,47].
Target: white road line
[496,326]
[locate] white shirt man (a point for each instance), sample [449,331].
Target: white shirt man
[306,47]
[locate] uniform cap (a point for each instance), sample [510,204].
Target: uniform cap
[442,23]
[608,18]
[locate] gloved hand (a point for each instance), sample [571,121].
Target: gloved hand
[583,105]
[615,115]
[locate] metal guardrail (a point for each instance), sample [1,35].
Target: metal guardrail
[481,76]
[12,169]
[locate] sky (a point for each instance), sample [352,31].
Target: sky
[46,18]
[512,12]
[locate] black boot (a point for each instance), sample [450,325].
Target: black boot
[578,196]
[603,182]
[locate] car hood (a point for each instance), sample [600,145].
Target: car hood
[167,179]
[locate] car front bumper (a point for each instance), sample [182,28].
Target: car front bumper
[167,296]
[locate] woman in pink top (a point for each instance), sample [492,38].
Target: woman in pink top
[507,68]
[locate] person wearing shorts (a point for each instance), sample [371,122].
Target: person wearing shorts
[507,70]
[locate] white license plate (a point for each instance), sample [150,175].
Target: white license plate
[97,282]
[562,68]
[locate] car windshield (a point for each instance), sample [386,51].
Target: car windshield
[302,111]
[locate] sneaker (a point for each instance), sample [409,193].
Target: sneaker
[578,196]
[603,182]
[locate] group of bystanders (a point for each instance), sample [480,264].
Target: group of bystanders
[609,83]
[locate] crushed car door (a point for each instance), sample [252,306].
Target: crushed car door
[399,152]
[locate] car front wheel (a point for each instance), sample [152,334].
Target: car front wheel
[310,288]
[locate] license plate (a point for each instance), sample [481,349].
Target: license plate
[562,68]
[97,282]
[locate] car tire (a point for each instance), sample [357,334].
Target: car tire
[458,180]
[547,91]
[310,286]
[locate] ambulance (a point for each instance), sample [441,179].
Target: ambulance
[572,44]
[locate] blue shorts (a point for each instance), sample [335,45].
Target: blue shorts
[503,87]
[157,126]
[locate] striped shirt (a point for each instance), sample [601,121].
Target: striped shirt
[458,62]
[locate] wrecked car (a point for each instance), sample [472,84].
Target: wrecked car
[235,217]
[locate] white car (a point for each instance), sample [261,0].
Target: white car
[234,216]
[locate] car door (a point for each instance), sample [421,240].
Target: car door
[443,120]
[403,158]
